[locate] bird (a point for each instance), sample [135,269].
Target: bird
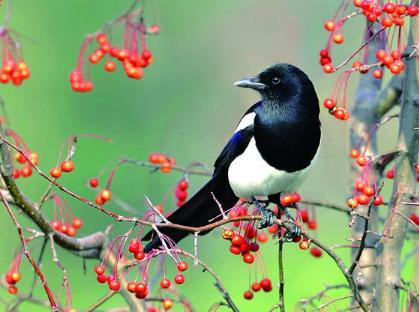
[272,150]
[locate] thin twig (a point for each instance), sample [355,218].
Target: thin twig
[281,302]
[29,257]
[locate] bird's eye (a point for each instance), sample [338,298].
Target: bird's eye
[275,80]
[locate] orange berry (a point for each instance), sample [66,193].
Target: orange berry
[106,195]
[166,167]
[338,38]
[67,166]
[55,173]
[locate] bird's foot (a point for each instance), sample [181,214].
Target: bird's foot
[293,230]
[267,214]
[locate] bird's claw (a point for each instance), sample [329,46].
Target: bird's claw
[295,231]
[267,214]
[267,218]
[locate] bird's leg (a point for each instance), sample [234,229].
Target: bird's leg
[295,230]
[267,214]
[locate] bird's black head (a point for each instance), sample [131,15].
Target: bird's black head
[281,82]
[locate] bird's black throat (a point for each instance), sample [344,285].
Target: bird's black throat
[287,130]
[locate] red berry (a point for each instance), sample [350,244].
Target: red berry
[140,255]
[131,287]
[102,278]
[312,224]
[179,278]
[26,171]
[369,191]
[398,21]
[339,113]
[141,288]
[354,153]
[412,10]
[256,287]
[338,38]
[377,73]
[167,304]
[182,266]
[114,285]
[101,38]
[363,199]
[316,252]
[248,295]
[329,103]
[134,246]
[99,269]
[94,182]
[328,68]
[165,283]
[16,173]
[324,53]
[248,258]
[266,284]
[237,240]
[262,237]
[304,215]
[183,185]
[110,66]
[380,54]
[352,203]
[378,200]
[55,172]
[235,250]
[303,244]
[390,174]
[12,289]
[15,277]
[106,195]
[359,186]
[387,21]
[254,246]
[67,166]
[71,231]
[329,25]
[361,161]
[414,217]
[389,7]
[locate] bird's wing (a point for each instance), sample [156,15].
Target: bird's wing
[248,117]
[239,141]
[235,147]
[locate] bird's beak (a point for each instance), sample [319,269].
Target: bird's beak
[250,82]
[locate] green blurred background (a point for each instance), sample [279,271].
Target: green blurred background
[185,106]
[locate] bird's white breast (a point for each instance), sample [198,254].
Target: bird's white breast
[250,175]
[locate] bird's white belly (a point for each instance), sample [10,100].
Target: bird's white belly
[250,175]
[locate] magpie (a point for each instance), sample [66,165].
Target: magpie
[271,151]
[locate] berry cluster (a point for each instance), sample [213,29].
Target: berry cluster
[265,284]
[64,220]
[240,245]
[165,162]
[136,249]
[66,166]
[388,17]
[311,223]
[181,191]
[364,191]
[26,159]
[13,276]
[27,163]
[133,53]
[14,68]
